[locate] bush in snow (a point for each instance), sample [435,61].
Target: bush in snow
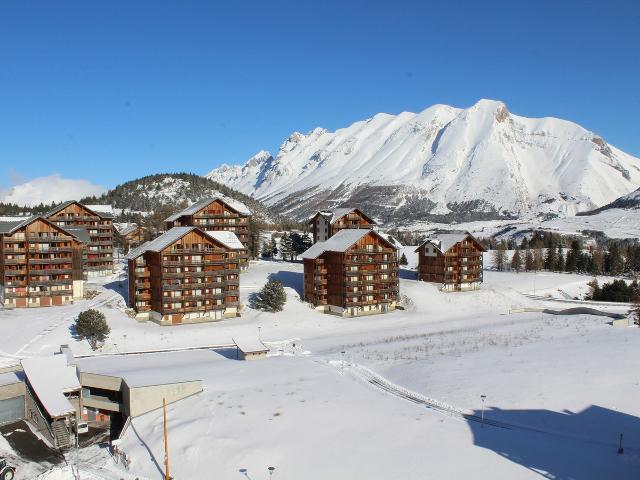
[271,298]
[92,325]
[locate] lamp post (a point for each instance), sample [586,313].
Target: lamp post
[259,333]
[342,365]
[271,470]
[482,397]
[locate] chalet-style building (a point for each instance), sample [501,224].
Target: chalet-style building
[355,272]
[129,235]
[218,213]
[99,251]
[453,260]
[326,223]
[40,263]
[183,276]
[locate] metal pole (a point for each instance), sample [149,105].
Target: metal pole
[166,442]
[620,449]
[342,365]
[482,397]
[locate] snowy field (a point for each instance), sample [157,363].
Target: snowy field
[403,401]
[615,222]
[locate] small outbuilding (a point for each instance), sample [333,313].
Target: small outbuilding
[250,348]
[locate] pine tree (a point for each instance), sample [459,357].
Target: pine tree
[538,259]
[266,252]
[307,242]
[499,256]
[550,260]
[597,261]
[92,325]
[286,246]
[403,260]
[273,247]
[516,261]
[529,262]
[635,312]
[271,297]
[594,290]
[559,267]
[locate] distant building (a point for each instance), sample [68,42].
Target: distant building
[355,272]
[453,260]
[99,250]
[41,264]
[218,213]
[327,223]
[129,235]
[184,276]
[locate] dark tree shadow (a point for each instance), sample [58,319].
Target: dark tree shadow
[289,279]
[563,445]
[119,286]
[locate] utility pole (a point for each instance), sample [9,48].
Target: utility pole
[166,442]
[483,397]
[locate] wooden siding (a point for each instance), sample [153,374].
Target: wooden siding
[219,216]
[458,268]
[99,251]
[39,263]
[192,275]
[366,274]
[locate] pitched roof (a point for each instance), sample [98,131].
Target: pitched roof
[248,344]
[228,239]
[80,233]
[64,205]
[391,239]
[8,227]
[167,238]
[50,378]
[125,228]
[340,242]
[334,215]
[445,241]
[200,204]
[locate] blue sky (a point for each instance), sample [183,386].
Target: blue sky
[113,90]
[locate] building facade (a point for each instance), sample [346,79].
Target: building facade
[218,213]
[183,276]
[99,225]
[327,223]
[353,273]
[129,235]
[453,260]
[40,264]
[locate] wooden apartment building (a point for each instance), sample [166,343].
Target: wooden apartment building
[183,276]
[219,213]
[326,223]
[40,264]
[453,260]
[129,235]
[99,250]
[355,272]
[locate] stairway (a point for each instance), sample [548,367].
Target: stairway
[61,434]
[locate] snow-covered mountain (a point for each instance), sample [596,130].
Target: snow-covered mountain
[443,163]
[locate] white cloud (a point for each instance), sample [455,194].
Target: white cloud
[53,188]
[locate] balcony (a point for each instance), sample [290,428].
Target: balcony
[37,239]
[46,261]
[62,281]
[144,274]
[50,293]
[50,271]
[143,296]
[194,251]
[15,271]
[50,249]
[15,261]
[14,250]
[190,286]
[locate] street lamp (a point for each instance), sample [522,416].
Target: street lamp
[244,472]
[259,333]
[483,397]
[271,469]
[342,365]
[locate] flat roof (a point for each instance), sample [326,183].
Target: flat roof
[250,344]
[147,369]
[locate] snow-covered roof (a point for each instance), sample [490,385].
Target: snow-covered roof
[100,213]
[102,209]
[445,241]
[50,377]
[334,215]
[250,344]
[228,239]
[125,228]
[160,243]
[340,242]
[152,368]
[176,233]
[9,226]
[391,239]
[200,204]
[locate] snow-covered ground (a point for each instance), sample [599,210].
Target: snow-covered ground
[564,386]
[616,223]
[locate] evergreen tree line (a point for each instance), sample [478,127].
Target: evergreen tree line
[615,291]
[292,244]
[620,258]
